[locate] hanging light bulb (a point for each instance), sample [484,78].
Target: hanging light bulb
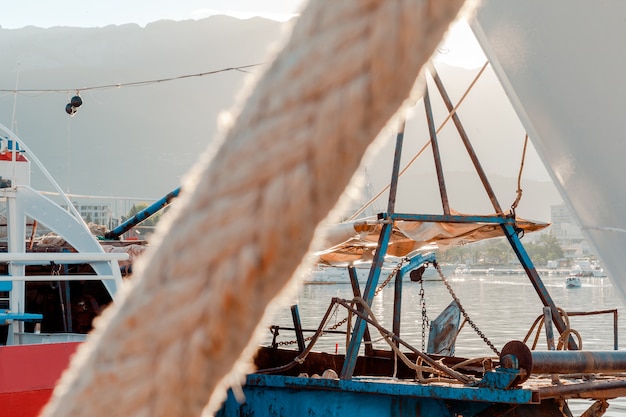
[76,101]
[69,109]
[72,107]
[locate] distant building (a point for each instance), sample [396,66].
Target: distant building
[95,213]
[566,230]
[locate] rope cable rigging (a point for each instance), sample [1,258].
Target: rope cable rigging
[241,68]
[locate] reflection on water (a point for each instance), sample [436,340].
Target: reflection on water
[503,307]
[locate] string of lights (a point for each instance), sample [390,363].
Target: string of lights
[241,68]
[72,107]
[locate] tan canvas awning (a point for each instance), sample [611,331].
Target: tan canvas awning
[355,241]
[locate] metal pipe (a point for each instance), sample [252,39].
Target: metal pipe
[589,389]
[577,361]
[615,320]
[356,291]
[547,322]
[395,173]
[352,351]
[466,141]
[615,338]
[44,258]
[397,305]
[295,315]
[142,215]
[436,155]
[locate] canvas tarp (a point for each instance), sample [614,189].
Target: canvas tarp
[356,241]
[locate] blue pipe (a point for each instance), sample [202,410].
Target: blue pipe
[142,215]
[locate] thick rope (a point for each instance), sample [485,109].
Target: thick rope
[183,330]
[519,177]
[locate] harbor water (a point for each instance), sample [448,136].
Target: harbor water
[503,307]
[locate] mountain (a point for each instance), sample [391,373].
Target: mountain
[129,140]
[140,140]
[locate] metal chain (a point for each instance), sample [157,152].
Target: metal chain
[307,339]
[425,320]
[465,315]
[393,273]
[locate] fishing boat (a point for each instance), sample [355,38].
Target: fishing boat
[573,281]
[584,268]
[431,381]
[517,380]
[408,380]
[51,287]
[405,380]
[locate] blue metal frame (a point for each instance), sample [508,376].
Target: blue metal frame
[30,317]
[533,275]
[416,261]
[279,395]
[368,295]
[352,351]
[508,227]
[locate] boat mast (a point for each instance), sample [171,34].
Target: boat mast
[377,264]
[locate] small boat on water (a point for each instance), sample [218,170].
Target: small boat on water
[461,270]
[573,281]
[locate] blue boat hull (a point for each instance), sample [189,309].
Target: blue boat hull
[276,395]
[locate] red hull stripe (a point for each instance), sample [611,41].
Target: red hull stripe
[23,404]
[33,367]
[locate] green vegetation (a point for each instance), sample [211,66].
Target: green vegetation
[498,252]
[136,208]
[546,249]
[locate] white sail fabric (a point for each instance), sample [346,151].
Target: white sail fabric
[562,65]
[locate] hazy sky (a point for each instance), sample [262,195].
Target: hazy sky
[97,13]
[461,50]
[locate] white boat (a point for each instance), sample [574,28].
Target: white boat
[461,269]
[329,274]
[584,268]
[573,282]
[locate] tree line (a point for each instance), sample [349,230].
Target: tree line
[499,252]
